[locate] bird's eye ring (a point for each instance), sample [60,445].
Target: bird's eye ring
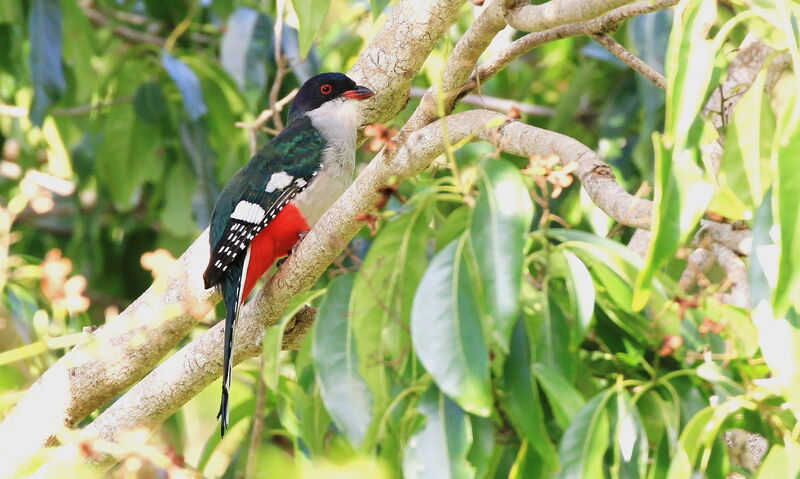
[325,89]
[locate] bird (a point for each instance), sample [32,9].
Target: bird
[277,196]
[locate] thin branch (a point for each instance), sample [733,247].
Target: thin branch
[631,60]
[281,63]
[253,127]
[500,105]
[534,18]
[13,111]
[736,273]
[698,262]
[530,41]
[123,31]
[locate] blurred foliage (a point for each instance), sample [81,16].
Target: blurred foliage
[493,324]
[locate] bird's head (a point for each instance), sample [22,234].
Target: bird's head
[329,89]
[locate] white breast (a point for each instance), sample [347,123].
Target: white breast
[337,120]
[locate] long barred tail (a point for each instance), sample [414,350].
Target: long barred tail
[231,288]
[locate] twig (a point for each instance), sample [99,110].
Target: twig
[258,123]
[123,31]
[631,60]
[281,63]
[84,109]
[501,105]
[180,28]
[13,111]
[530,41]
[736,272]
[697,263]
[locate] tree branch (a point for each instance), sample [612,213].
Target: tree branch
[631,60]
[535,18]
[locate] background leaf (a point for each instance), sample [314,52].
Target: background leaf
[44,26]
[343,391]
[446,330]
[310,14]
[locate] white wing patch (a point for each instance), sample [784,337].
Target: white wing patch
[278,181]
[248,212]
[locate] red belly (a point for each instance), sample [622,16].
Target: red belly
[274,241]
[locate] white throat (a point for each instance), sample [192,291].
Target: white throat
[337,121]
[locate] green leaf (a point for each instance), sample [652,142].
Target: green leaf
[521,401]
[383,293]
[776,464]
[446,330]
[786,164]
[151,105]
[245,49]
[585,441]
[343,391]
[581,291]
[553,338]
[681,192]
[440,448]
[745,161]
[483,453]
[44,34]
[310,14]
[78,49]
[500,221]
[629,437]
[564,399]
[176,216]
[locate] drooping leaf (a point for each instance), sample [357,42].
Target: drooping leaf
[581,289]
[245,50]
[786,164]
[176,216]
[681,191]
[310,14]
[564,399]
[78,48]
[44,29]
[187,84]
[500,220]
[383,293]
[194,137]
[446,330]
[150,104]
[344,392]
[521,400]
[745,161]
[440,448]
[585,441]
[629,438]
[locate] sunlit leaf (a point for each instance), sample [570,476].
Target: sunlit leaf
[446,330]
[440,448]
[585,441]
[500,220]
[310,14]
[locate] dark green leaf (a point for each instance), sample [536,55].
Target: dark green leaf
[343,391]
[564,399]
[194,137]
[521,400]
[383,293]
[310,14]
[151,105]
[440,448]
[500,220]
[176,215]
[245,50]
[44,27]
[585,441]
[446,330]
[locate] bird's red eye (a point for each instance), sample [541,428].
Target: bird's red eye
[325,89]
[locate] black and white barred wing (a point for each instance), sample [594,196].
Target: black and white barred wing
[248,218]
